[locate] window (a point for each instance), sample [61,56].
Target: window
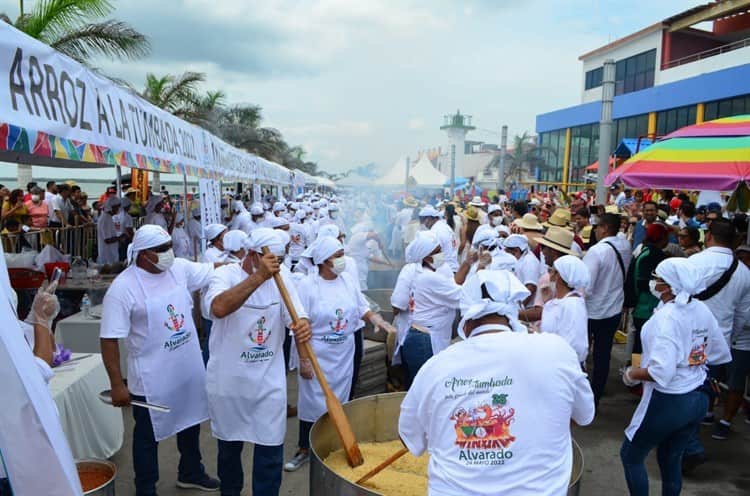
[635,73]
[594,78]
[727,108]
[629,127]
[671,120]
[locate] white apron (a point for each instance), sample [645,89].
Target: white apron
[171,363]
[640,412]
[245,378]
[333,319]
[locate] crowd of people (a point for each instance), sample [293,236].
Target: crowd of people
[506,312]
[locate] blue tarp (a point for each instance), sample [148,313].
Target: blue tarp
[630,146]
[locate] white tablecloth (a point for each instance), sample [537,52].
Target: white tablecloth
[93,428]
[79,334]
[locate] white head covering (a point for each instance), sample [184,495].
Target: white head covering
[502,229]
[323,248]
[275,222]
[484,236]
[112,201]
[212,231]
[238,206]
[516,241]
[323,213]
[196,212]
[503,261]
[256,209]
[333,207]
[505,293]
[300,214]
[494,208]
[423,244]
[573,271]
[235,240]
[265,236]
[682,276]
[429,211]
[279,207]
[329,230]
[147,236]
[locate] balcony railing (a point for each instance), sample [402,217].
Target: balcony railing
[707,53]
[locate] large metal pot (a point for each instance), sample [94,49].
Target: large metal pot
[374,419]
[108,471]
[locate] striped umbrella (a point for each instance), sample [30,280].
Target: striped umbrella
[714,155]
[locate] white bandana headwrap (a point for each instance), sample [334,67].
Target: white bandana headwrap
[265,236]
[423,244]
[235,240]
[212,231]
[505,293]
[682,276]
[323,248]
[573,271]
[329,231]
[147,236]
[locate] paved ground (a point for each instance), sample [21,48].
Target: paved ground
[727,474]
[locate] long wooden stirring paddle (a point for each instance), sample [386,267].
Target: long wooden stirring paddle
[335,410]
[388,461]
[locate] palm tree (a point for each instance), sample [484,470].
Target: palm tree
[76,28]
[178,95]
[525,156]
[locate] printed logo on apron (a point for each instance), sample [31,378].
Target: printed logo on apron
[698,348]
[337,327]
[259,351]
[176,324]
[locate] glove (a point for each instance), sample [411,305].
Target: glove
[45,307]
[379,323]
[627,380]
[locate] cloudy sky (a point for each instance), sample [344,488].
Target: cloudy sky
[358,81]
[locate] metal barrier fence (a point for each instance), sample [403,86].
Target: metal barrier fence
[77,241]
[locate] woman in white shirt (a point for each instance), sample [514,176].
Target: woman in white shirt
[435,299]
[335,308]
[181,240]
[566,314]
[679,340]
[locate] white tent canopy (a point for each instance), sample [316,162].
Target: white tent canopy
[425,174]
[396,176]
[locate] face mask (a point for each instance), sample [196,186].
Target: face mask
[339,265]
[35,198]
[166,259]
[438,260]
[333,215]
[497,221]
[652,288]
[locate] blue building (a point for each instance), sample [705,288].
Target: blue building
[689,68]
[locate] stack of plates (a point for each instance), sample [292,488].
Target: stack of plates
[372,372]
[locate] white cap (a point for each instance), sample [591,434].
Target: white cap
[256,209]
[494,208]
[429,211]
[516,241]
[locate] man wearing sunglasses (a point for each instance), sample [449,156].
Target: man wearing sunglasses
[150,306]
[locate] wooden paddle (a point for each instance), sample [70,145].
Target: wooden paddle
[372,473]
[335,410]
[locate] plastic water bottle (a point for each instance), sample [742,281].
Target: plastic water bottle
[86,306]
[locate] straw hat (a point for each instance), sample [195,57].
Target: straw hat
[559,218]
[131,191]
[530,222]
[558,239]
[410,201]
[471,213]
[586,233]
[612,209]
[477,201]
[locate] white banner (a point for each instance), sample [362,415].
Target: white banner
[60,113]
[210,191]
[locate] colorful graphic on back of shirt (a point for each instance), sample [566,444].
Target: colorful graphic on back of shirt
[486,426]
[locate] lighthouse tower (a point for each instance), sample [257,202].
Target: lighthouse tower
[456,126]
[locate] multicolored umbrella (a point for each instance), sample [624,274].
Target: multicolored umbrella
[714,155]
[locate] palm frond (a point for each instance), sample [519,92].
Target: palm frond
[114,39]
[181,90]
[49,19]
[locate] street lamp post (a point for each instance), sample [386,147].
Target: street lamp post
[605,128]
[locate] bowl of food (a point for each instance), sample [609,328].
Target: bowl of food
[374,420]
[97,477]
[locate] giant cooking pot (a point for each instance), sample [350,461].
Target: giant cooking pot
[374,419]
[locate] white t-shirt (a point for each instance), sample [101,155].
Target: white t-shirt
[54,203]
[567,317]
[677,342]
[528,268]
[436,299]
[124,309]
[606,294]
[494,413]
